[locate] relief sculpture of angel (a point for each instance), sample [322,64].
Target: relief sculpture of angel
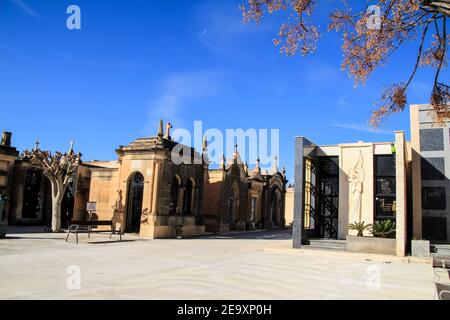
[356,181]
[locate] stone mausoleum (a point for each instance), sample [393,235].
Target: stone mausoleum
[146,193]
[405,182]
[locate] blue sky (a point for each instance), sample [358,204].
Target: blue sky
[136,61]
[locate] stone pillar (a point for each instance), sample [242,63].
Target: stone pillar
[401,189]
[416,172]
[6,139]
[155,193]
[147,219]
[297,225]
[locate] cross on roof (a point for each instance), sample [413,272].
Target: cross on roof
[168,127]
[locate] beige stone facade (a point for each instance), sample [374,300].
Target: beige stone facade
[289,206]
[145,192]
[354,182]
[430,149]
[414,194]
[8,156]
[243,199]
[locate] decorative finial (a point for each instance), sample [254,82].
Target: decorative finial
[205,144]
[257,167]
[71,146]
[36,145]
[6,139]
[236,158]
[283,171]
[168,127]
[160,129]
[222,162]
[275,165]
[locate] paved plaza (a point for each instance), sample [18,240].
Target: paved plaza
[257,265]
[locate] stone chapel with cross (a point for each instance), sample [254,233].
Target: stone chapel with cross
[144,192]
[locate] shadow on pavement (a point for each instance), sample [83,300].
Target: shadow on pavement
[281,234]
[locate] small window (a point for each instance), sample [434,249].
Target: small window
[385,165]
[434,228]
[310,181]
[433,198]
[433,168]
[431,139]
[385,187]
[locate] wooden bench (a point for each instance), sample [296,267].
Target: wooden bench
[87,227]
[440,263]
[443,291]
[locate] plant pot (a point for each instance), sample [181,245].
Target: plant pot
[178,237]
[420,248]
[371,245]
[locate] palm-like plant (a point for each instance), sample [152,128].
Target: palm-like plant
[383,228]
[360,227]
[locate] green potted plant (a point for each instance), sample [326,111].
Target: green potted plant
[360,227]
[3,224]
[383,228]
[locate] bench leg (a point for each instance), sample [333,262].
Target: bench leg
[71,227]
[436,275]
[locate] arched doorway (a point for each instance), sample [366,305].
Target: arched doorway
[174,193]
[36,201]
[188,202]
[275,207]
[31,207]
[134,207]
[67,205]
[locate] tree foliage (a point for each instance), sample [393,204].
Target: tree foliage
[58,167]
[369,39]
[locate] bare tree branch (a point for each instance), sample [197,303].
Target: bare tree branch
[58,168]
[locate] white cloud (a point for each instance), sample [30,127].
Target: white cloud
[25,8]
[177,90]
[76,59]
[127,65]
[420,92]
[343,101]
[222,29]
[359,127]
[5,48]
[322,73]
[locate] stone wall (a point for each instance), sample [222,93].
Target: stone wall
[371,245]
[430,147]
[289,207]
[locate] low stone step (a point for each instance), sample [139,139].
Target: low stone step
[328,244]
[324,248]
